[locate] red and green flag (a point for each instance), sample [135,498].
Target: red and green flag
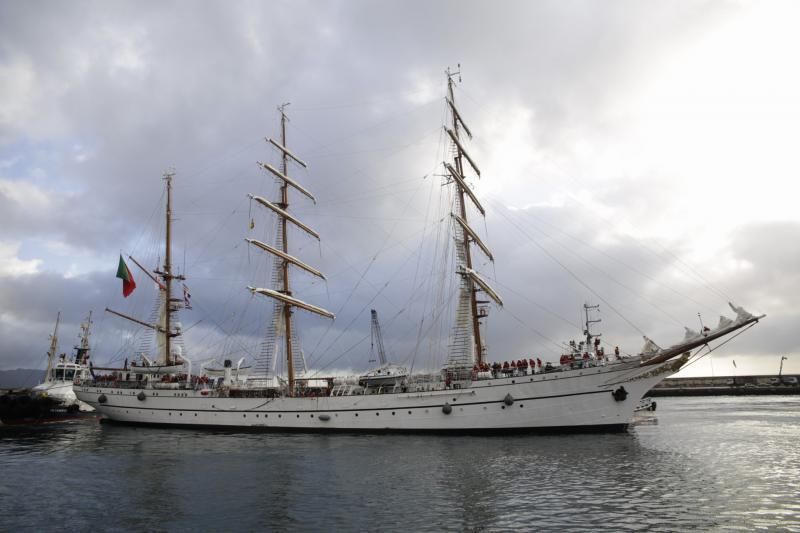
[127,278]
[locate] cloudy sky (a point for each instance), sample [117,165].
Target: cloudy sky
[637,155]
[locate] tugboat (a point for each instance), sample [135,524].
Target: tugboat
[53,399]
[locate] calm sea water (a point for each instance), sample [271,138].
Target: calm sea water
[697,463]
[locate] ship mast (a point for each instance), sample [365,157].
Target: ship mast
[51,353]
[471,282]
[167,275]
[283,293]
[287,309]
[83,347]
[476,330]
[165,327]
[168,270]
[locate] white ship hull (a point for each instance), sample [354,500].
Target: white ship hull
[571,400]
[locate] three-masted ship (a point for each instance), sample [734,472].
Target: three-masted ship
[589,392]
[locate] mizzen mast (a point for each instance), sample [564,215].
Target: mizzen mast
[282,292]
[468,313]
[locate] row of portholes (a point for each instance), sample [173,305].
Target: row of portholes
[244,415]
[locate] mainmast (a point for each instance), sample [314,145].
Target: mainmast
[283,292]
[471,282]
[287,309]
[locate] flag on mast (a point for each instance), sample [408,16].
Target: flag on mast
[128,284]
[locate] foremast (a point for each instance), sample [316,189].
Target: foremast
[466,346]
[164,282]
[282,293]
[167,277]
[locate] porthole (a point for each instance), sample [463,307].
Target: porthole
[356,414]
[377,414]
[513,381]
[170,414]
[195,414]
[520,405]
[502,407]
[298,416]
[257,416]
[484,407]
[181,414]
[311,415]
[280,416]
[244,416]
[392,413]
[409,412]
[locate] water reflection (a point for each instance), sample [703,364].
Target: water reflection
[700,463]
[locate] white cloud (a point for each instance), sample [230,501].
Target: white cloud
[11,265]
[25,194]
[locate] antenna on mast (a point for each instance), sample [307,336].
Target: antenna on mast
[452,73]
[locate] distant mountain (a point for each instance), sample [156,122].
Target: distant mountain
[20,378]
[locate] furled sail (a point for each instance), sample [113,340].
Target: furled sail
[286,151]
[287,179]
[293,260]
[483,285]
[474,236]
[458,116]
[463,152]
[284,214]
[292,301]
[460,179]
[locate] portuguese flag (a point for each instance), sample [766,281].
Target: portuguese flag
[127,279]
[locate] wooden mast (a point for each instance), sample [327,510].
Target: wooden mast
[287,309]
[168,271]
[459,167]
[282,291]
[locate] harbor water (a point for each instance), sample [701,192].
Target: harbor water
[699,463]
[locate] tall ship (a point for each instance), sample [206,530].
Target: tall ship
[588,390]
[53,399]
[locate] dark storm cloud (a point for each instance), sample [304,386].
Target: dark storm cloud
[109,95]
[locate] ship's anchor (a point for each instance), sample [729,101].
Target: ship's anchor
[102,398]
[141,396]
[447,409]
[620,394]
[508,400]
